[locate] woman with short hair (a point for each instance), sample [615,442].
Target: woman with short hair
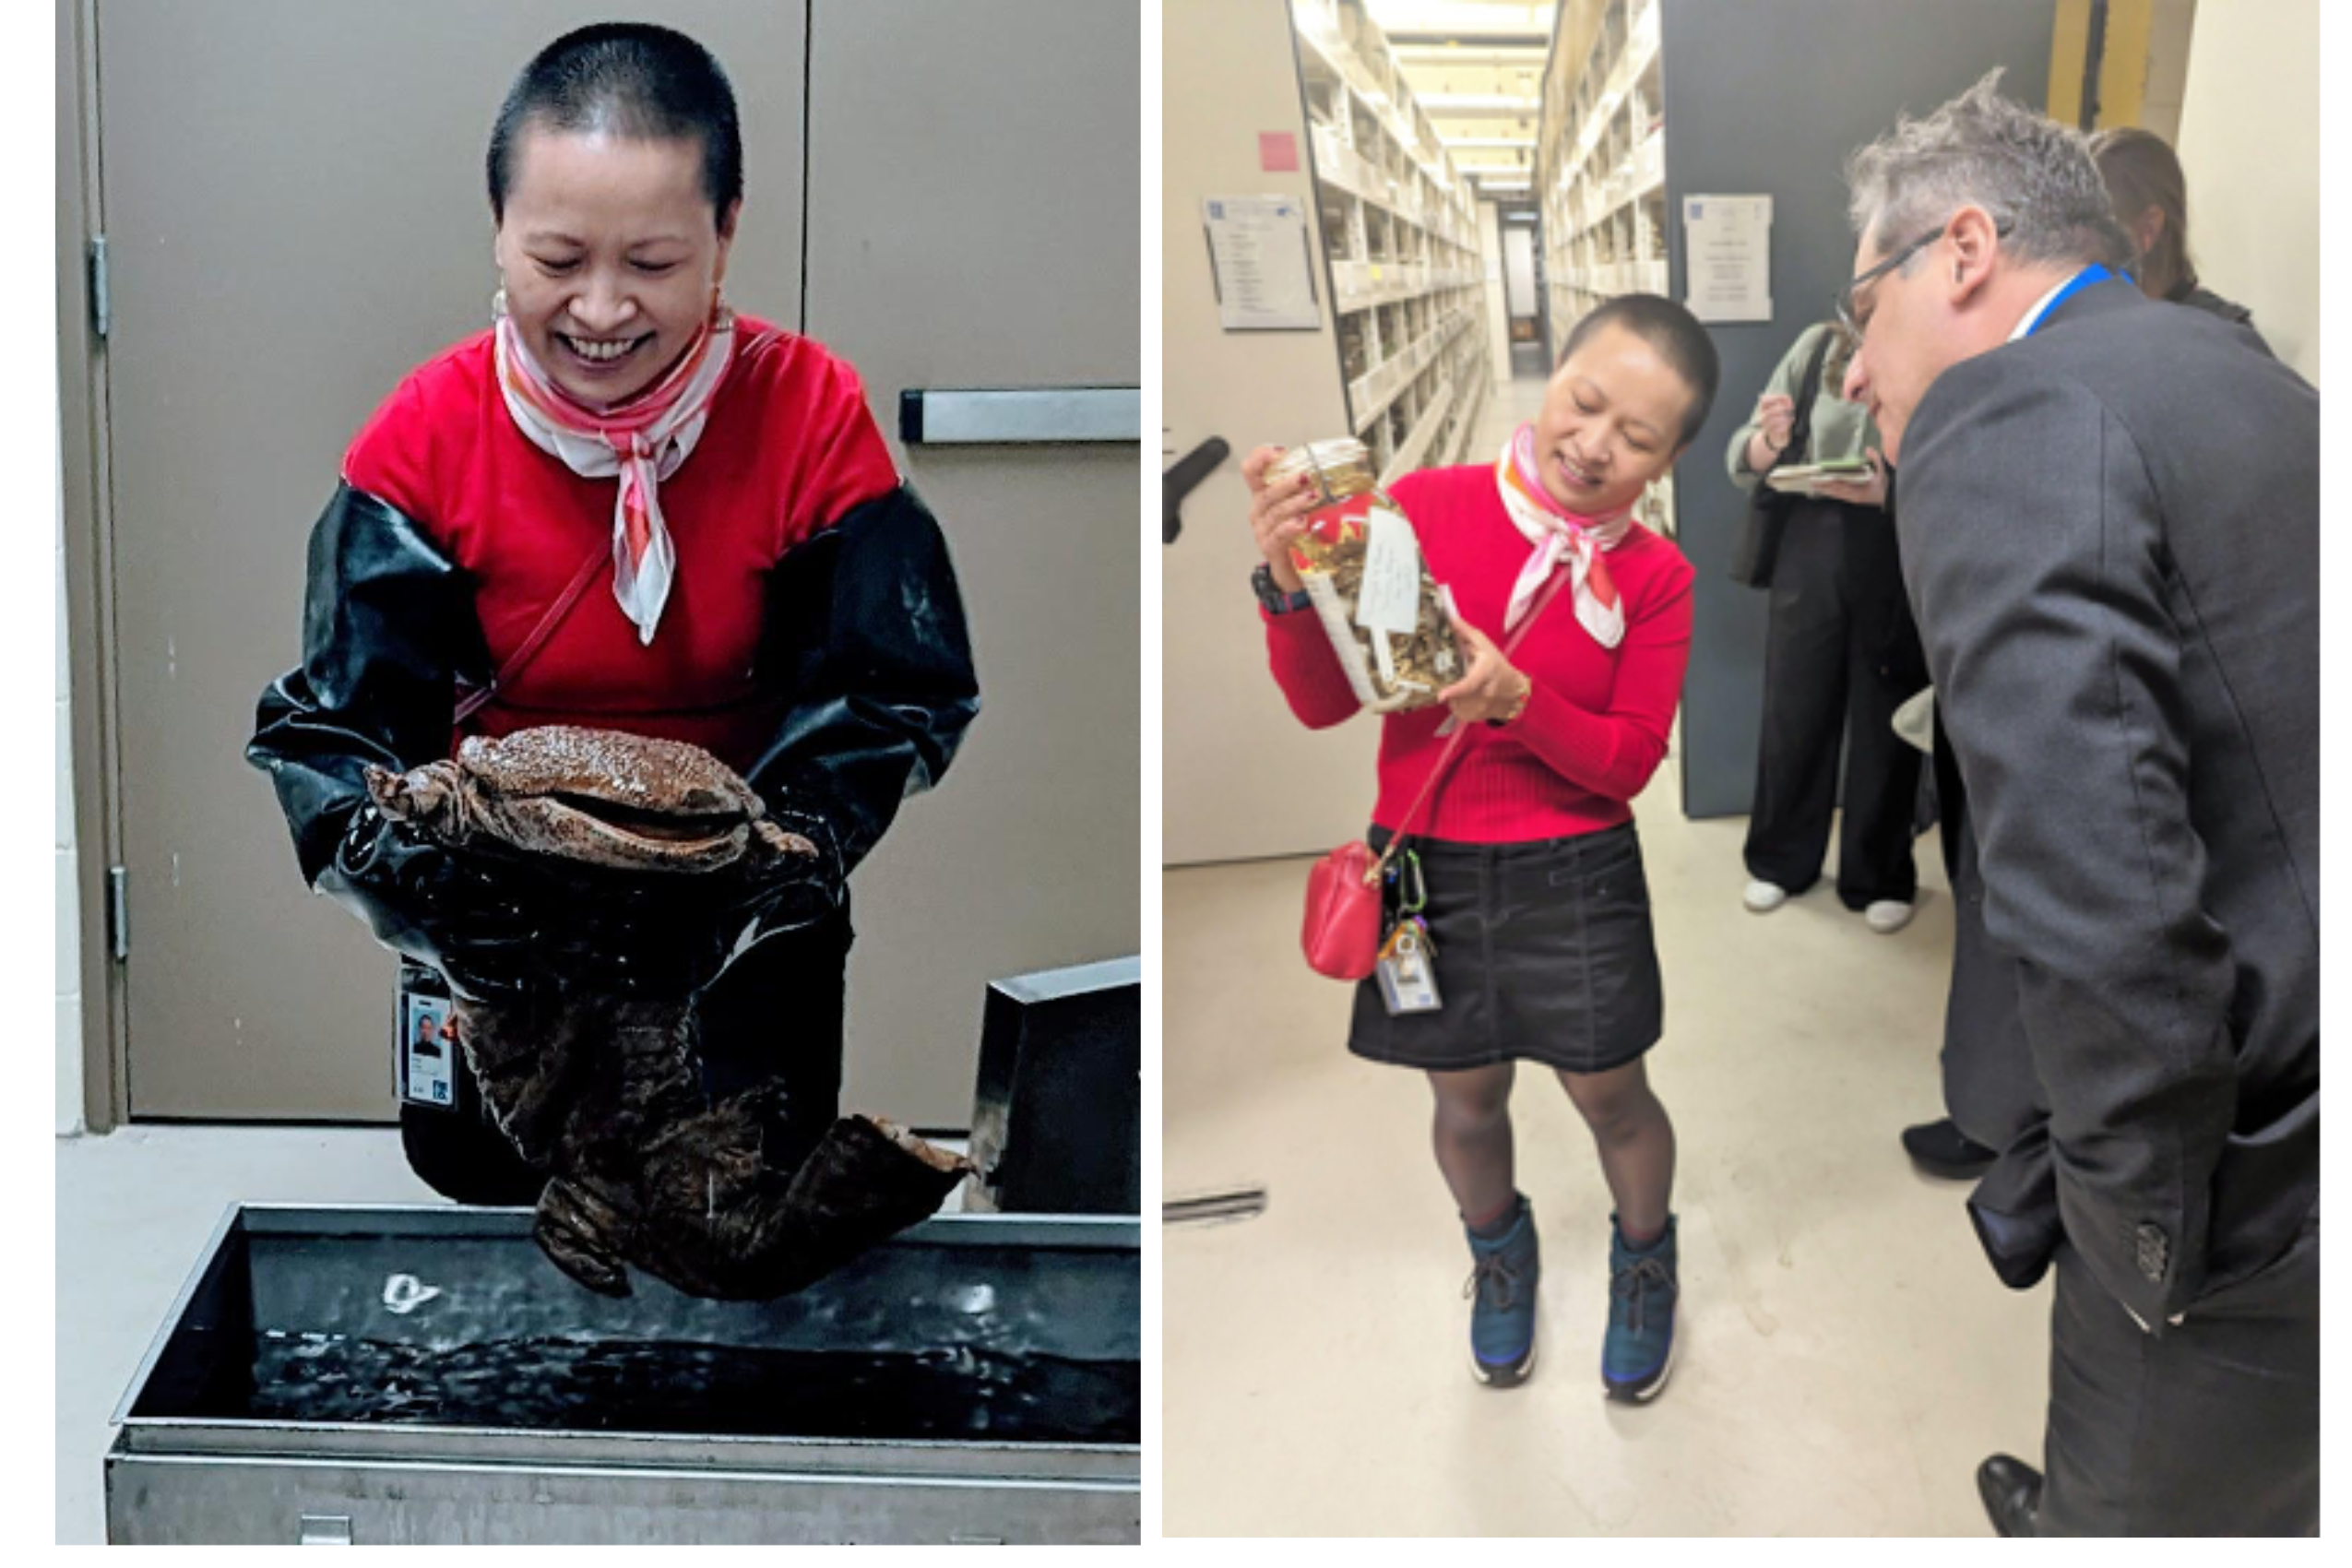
[622,505]
[1536,906]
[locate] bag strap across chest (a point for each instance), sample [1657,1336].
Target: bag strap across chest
[475,701]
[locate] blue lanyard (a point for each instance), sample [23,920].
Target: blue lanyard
[2094,273]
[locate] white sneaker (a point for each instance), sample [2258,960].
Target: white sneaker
[1887,917]
[1762,898]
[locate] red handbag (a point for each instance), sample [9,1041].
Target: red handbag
[1341,935]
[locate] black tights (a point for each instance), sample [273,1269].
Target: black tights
[1472,1134]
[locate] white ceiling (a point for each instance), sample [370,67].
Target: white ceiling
[1476,68]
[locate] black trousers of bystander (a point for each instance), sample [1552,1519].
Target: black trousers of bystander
[1840,656]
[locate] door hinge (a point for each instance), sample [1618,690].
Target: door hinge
[101,311]
[118,911]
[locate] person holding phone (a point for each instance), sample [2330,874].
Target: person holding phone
[1841,655]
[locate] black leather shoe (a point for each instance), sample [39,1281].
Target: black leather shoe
[2013,1491]
[1941,1148]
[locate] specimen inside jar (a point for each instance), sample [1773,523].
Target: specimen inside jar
[1372,589]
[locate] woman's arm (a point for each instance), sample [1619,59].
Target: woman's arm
[863,640]
[387,628]
[1307,667]
[865,632]
[1741,457]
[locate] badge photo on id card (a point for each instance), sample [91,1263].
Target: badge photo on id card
[427,1048]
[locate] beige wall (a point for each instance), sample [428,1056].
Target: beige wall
[69,949]
[1498,318]
[1242,778]
[1519,270]
[2170,23]
[2249,144]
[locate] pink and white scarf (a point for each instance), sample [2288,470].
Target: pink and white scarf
[641,442]
[1557,533]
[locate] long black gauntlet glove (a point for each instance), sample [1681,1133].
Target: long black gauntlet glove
[865,636]
[387,628]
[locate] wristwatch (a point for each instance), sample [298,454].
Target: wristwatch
[1270,594]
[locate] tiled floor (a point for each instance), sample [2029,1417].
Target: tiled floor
[1847,1358]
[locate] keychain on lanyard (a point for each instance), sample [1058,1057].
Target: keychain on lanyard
[1407,971]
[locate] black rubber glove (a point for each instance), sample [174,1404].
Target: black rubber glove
[865,632]
[466,914]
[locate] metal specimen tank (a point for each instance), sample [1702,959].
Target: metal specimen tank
[423,1374]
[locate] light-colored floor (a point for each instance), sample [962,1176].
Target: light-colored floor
[134,1211]
[1845,1358]
[1507,403]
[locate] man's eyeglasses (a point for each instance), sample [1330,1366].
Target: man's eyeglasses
[1850,325]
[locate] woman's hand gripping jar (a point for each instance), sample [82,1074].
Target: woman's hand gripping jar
[1363,567]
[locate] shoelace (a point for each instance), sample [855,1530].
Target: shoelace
[1636,1280]
[1497,1268]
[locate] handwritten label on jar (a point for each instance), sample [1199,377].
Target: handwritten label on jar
[1390,600]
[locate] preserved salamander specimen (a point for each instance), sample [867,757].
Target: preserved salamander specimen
[598,1084]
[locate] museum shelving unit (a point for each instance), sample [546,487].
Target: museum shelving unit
[1400,228]
[1600,172]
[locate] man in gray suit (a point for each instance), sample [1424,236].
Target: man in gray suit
[2110,533]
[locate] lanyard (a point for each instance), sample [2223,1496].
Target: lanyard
[2094,273]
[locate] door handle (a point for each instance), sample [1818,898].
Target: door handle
[325,1529]
[1182,479]
[1025,416]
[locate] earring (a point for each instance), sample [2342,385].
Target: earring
[498,302]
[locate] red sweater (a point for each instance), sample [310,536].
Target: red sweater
[790,448]
[1594,727]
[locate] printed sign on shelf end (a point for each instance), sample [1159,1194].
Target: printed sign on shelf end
[1262,264]
[1727,240]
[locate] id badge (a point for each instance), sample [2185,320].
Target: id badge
[1407,970]
[424,1041]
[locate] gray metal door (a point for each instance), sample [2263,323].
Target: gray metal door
[293,207]
[973,217]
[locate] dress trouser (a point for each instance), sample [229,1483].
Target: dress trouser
[776,1014]
[1840,656]
[2211,1429]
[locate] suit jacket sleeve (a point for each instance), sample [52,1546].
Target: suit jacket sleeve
[2040,569]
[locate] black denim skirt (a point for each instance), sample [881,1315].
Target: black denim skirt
[1544,953]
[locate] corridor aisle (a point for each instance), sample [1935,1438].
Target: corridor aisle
[1847,1358]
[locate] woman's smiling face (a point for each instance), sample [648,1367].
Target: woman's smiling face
[611,257]
[1612,423]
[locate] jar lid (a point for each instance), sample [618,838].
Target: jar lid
[1343,464]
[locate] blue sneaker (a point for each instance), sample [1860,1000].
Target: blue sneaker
[1503,1288]
[1639,1350]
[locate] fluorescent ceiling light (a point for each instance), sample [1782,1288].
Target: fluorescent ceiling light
[1531,20]
[1478,103]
